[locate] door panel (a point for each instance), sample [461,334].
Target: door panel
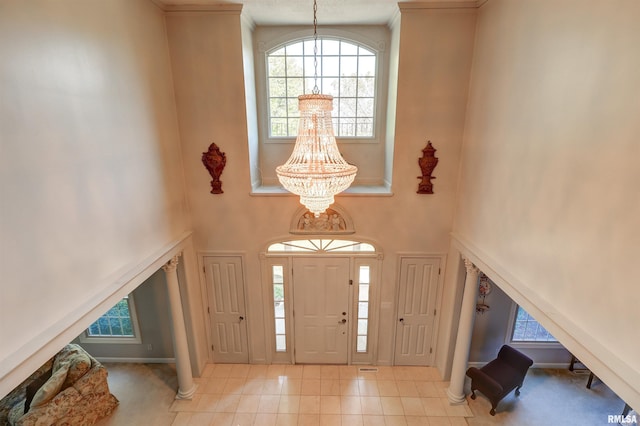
[416,310]
[225,292]
[321,310]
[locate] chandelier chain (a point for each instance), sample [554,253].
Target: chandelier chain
[315,48]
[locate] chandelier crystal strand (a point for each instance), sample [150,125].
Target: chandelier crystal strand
[316,171]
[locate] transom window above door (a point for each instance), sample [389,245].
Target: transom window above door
[321,246]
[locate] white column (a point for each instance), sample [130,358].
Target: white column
[455,392]
[186,386]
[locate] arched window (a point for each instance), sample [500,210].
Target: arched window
[353,67]
[346,70]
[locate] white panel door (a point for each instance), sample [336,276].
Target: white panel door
[225,291]
[321,310]
[416,310]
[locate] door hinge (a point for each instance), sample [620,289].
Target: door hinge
[438,271]
[434,312]
[204,271]
[208,310]
[430,350]
[350,282]
[212,348]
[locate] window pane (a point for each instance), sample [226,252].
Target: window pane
[364,127]
[278,292]
[348,49]
[277,87]
[348,86]
[330,86]
[278,107]
[292,107]
[294,66]
[347,107]
[331,66]
[365,107]
[281,343]
[364,275]
[527,329]
[277,274]
[279,127]
[363,294]
[294,86]
[362,344]
[276,66]
[330,47]
[347,127]
[366,87]
[349,66]
[367,66]
[278,308]
[280,326]
[362,326]
[293,126]
[363,310]
[294,48]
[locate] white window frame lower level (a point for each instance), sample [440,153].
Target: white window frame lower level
[85,337]
[525,344]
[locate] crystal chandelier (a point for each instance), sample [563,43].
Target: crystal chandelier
[316,171]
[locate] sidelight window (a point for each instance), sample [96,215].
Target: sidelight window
[277,279]
[363,308]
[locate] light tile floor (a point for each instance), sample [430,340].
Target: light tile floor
[274,395]
[342,395]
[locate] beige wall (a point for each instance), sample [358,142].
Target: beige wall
[211,108]
[90,165]
[549,198]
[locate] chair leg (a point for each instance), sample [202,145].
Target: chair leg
[473,394]
[492,412]
[518,390]
[590,381]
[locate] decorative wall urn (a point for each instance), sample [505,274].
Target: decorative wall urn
[215,160]
[427,163]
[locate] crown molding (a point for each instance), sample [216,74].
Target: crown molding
[230,8]
[462,4]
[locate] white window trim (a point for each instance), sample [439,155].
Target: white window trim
[519,344]
[135,339]
[270,38]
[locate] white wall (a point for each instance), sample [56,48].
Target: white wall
[432,88]
[549,198]
[90,165]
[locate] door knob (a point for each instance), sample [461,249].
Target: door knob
[342,322]
[344,313]
[402,320]
[241,317]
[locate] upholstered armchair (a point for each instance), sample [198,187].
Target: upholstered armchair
[499,377]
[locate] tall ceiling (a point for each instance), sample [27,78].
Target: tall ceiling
[294,12]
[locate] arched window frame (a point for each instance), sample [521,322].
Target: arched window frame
[369,154]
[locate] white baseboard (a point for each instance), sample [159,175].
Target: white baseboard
[138,360]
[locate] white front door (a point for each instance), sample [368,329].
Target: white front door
[416,310]
[321,310]
[227,316]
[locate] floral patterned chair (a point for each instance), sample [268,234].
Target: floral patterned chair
[69,389]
